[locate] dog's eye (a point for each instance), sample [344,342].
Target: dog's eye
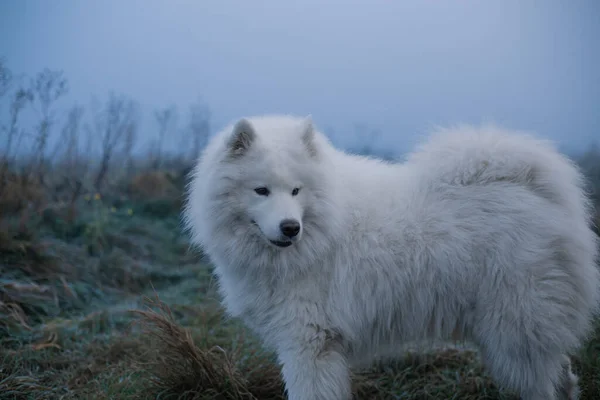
[295,191]
[263,191]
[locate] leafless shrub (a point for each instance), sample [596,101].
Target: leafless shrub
[72,159]
[198,129]
[14,134]
[129,144]
[166,121]
[115,125]
[46,88]
[15,189]
[5,78]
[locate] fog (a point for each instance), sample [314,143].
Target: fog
[393,67]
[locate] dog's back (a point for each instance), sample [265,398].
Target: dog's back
[474,156]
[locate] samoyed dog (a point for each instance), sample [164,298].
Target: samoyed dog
[333,259]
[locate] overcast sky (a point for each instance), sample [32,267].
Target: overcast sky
[399,66]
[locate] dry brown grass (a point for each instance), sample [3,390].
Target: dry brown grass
[17,299]
[185,371]
[18,192]
[153,184]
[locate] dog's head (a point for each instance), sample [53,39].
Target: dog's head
[270,168]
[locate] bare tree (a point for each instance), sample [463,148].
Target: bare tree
[72,163]
[112,125]
[128,146]
[5,78]
[198,129]
[5,83]
[14,187]
[14,134]
[21,98]
[68,147]
[47,87]
[165,120]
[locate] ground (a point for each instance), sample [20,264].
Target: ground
[110,302]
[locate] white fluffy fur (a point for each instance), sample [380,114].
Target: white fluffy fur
[482,234]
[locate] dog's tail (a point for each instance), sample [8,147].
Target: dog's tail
[476,156]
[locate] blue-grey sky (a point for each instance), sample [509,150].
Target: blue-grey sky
[398,66]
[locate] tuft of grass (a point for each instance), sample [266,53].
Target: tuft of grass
[159,193]
[18,191]
[186,371]
[586,365]
[154,184]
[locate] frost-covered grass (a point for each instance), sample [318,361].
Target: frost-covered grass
[110,303]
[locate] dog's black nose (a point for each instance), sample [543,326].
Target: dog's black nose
[289,227]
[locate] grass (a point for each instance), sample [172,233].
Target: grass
[112,304]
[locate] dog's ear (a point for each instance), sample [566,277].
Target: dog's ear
[241,138]
[308,135]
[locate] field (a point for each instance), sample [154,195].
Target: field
[109,302]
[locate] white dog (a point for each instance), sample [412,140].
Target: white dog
[332,258]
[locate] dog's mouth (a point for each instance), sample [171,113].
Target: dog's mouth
[278,243]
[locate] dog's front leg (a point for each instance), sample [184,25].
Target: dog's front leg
[316,369]
[325,377]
